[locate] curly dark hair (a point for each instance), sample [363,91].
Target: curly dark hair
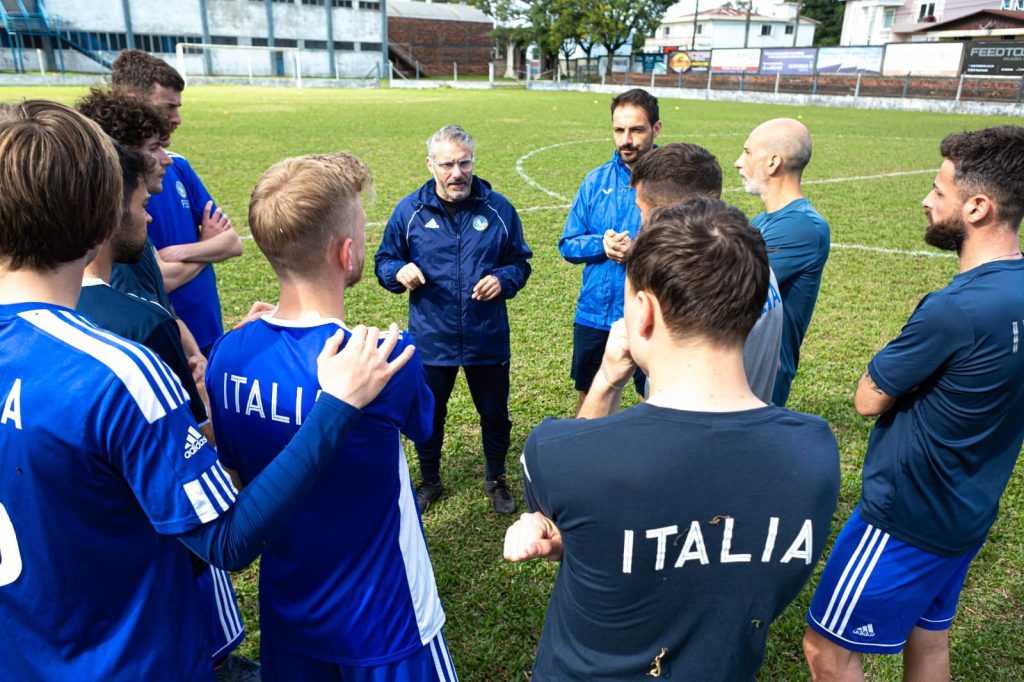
[127,119]
[136,71]
[991,161]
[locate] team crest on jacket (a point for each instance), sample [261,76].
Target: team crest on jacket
[479,223]
[181,189]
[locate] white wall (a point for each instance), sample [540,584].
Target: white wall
[241,19]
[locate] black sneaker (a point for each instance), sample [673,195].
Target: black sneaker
[500,497]
[427,493]
[237,668]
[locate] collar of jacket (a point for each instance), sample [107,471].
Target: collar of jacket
[479,190]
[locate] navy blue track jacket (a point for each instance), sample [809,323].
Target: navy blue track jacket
[485,237]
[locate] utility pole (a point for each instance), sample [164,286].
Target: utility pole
[693,38]
[796,22]
[746,26]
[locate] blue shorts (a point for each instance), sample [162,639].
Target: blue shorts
[875,589]
[432,663]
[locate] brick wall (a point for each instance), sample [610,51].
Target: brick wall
[436,44]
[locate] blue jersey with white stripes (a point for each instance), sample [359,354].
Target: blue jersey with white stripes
[348,579]
[103,465]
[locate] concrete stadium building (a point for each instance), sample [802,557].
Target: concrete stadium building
[334,38]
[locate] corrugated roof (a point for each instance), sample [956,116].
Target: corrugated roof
[439,11]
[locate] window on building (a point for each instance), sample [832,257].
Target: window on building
[224,40]
[889,17]
[284,2]
[766,29]
[286,42]
[363,4]
[666,31]
[318,3]
[259,42]
[344,45]
[926,10]
[700,29]
[789,29]
[342,3]
[314,44]
[369,47]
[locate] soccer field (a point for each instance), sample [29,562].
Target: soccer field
[867,177]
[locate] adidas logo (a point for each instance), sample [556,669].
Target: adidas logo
[432,224]
[194,441]
[865,631]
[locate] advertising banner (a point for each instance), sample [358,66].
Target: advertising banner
[738,60]
[796,61]
[850,59]
[1003,58]
[922,59]
[650,63]
[695,61]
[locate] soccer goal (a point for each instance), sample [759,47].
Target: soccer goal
[239,61]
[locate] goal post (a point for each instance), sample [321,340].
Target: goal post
[237,60]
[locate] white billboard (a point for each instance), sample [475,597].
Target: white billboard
[922,59]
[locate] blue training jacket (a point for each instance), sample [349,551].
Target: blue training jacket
[485,237]
[605,201]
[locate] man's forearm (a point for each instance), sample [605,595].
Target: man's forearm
[216,249]
[178,273]
[603,398]
[236,538]
[870,400]
[188,342]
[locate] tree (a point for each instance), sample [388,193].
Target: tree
[543,17]
[830,14]
[571,30]
[614,23]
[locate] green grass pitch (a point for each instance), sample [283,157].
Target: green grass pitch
[868,175]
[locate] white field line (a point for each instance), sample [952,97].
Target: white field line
[824,181]
[895,252]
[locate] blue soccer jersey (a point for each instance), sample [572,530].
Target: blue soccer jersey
[177,212]
[348,579]
[103,466]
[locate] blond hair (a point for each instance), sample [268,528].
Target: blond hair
[300,204]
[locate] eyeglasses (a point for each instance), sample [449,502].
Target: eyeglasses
[446,167]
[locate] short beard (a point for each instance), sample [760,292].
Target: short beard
[948,236]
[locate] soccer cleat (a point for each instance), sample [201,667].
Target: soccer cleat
[501,498]
[237,668]
[426,493]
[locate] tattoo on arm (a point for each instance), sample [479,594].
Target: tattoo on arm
[871,383]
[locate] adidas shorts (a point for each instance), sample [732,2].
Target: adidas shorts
[875,589]
[432,663]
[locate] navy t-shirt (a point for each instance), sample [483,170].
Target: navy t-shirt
[686,534]
[142,279]
[938,461]
[143,322]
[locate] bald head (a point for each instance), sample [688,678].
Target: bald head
[786,137]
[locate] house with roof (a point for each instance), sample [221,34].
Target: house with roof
[759,23]
[876,22]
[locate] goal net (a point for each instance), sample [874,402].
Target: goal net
[239,62]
